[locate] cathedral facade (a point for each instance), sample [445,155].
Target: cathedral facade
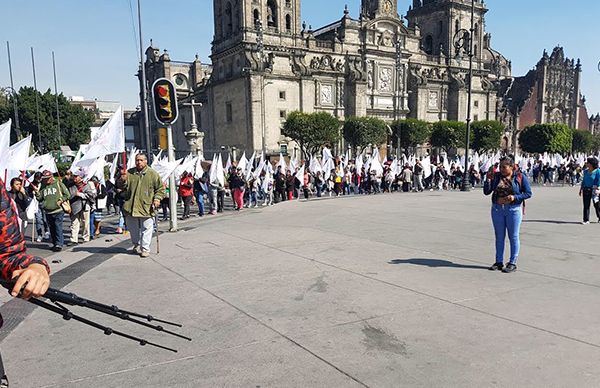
[266,62]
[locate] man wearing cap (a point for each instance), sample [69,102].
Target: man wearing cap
[51,195]
[82,196]
[143,190]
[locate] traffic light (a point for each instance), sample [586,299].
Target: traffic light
[165,101]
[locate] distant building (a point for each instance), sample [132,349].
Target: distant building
[549,93]
[266,63]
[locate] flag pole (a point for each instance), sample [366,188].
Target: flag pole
[14,93]
[144,86]
[56,96]
[37,107]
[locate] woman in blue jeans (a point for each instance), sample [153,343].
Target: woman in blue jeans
[509,188]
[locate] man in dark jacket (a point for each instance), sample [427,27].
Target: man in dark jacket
[19,196]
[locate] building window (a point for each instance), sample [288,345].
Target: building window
[228,19]
[229,112]
[288,3]
[282,95]
[282,114]
[256,18]
[272,13]
[428,45]
[476,118]
[476,104]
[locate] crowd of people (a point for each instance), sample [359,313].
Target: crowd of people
[85,203]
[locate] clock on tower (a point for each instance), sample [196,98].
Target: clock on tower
[376,8]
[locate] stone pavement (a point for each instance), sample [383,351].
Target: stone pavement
[380,291]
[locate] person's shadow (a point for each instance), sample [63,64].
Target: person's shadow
[557,222]
[436,263]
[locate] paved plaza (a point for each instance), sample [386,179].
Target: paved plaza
[379,291]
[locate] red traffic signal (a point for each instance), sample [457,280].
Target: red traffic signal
[165,101]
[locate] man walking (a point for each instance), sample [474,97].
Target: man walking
[143,191]
[83,194]
[52,194]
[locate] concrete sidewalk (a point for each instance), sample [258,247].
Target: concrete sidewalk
[385,290]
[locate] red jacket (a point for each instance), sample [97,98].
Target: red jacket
[13,255]
[186,187]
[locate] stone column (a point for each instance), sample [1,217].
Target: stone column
[194,137]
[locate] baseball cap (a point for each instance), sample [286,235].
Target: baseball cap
[46,174]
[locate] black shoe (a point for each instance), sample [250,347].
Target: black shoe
[497,267]
[71,243]
[56,249]
[510,268]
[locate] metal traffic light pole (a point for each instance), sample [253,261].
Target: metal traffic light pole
[172,188]
[164,97]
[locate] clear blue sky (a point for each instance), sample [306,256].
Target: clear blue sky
[96,50]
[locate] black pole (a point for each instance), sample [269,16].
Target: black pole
[144,86]
[56,96]
[37,106]
[14,93]
[465,182]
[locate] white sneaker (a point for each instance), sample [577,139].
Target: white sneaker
[47,236]
[585,223]
[39,239]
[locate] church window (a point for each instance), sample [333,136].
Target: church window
[236,18]
[229,112]
[288,23]
[228,19]
[288,3]
[476,104]
[476,32]
[282,114]
[456,26]
[272,13]
[282,95]
[440,28]
[428,45]
[475,118]
[475,51]
[256,18]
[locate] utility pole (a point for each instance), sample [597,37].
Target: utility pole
[144,86]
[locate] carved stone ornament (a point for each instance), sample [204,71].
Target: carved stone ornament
[385,79]
[433,100]
[370,79]
[326,94]
[386,38]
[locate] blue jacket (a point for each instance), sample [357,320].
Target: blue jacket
[521,192]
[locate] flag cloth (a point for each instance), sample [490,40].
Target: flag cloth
[17,155]
[109,139]
[5,137]
[131,158]
[300,176]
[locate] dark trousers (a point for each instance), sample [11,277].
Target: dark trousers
[164,204]
[55,224]
[220,200]
[187,204]
[587,201]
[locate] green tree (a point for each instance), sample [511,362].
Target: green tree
[448,135]
[75,122]
[583,141]
[359,132]
[540,138]
[486,135]
[412,132]
[311,130]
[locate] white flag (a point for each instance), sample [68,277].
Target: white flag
[300,176]
[109,139]
[17,155]
[131,158]
[5,137]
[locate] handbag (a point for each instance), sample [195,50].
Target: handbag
[66,206]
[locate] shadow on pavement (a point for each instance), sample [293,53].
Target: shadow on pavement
[435,263]
[111,250]
[558,222]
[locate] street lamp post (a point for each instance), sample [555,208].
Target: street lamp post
[463,42]
[261,52]
[398,91]
[14,93]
